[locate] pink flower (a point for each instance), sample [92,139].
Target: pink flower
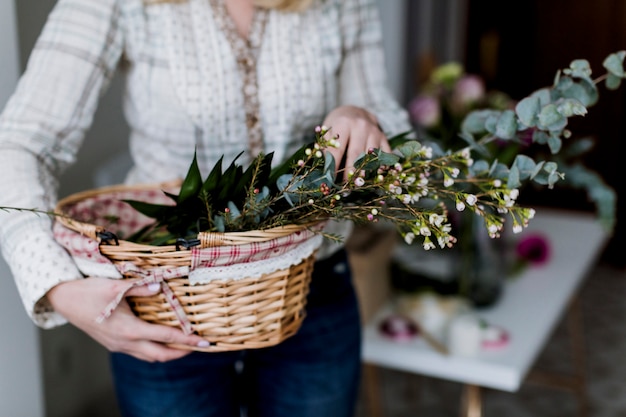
[425,111]
[534,249]
[469,89]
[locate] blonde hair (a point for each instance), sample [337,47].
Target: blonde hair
[285,5]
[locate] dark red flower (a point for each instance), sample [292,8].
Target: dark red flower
[534,249]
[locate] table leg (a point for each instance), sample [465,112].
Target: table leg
[577,381]
[372,391]
[577,337]
[471,401]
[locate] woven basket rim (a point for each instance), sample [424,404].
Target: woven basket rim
[208,238]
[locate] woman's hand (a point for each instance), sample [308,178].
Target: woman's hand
[82,301]
[358,131]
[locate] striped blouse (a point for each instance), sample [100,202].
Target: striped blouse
[191,84]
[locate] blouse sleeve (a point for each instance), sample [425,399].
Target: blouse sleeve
[363,78]
[41,129]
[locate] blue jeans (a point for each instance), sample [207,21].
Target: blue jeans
[313,373]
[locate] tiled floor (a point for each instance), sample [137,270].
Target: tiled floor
[603,303]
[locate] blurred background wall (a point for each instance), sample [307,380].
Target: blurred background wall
[21,391]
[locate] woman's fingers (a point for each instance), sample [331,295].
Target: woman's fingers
[357,132]
[82,301]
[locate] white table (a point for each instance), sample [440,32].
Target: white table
[531,306]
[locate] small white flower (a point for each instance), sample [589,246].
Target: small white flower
[448,182]
[409,237]
[514,193]
[318,154]
[406,198]
[428,245]
[517,228]
[460,206]
[359,182]
[435,219]
[497,183]
[493,229]
[425,231]
[455,172]
[471,199]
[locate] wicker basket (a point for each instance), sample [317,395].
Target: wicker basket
[231,314]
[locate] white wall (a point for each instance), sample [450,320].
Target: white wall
[20,366]
[393,14]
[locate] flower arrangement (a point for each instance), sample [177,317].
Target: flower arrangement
[406,187]
[413,187]
[452,107]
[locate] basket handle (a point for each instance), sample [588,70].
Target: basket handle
[211,239]
[90,230]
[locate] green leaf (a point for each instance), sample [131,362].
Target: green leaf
[388,159]
[555,143]
[544,95]
[584,91]
[525,166]
[410,149]
[212,181]
[229,178]
[551,119]
[400,138]
[155,211]
[571,107]
[527,110]
[475,121]
[329,167]
[613,82]
[514,180]
[235,213]
[506,126]
[614,63]
[192,182]
[578,147]
[579,68]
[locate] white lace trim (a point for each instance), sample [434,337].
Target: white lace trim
[257,268]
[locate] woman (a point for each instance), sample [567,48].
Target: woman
[219,77]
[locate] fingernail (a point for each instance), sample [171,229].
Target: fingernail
[204,344]
[154,287]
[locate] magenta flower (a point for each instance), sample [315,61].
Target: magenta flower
[534,249]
